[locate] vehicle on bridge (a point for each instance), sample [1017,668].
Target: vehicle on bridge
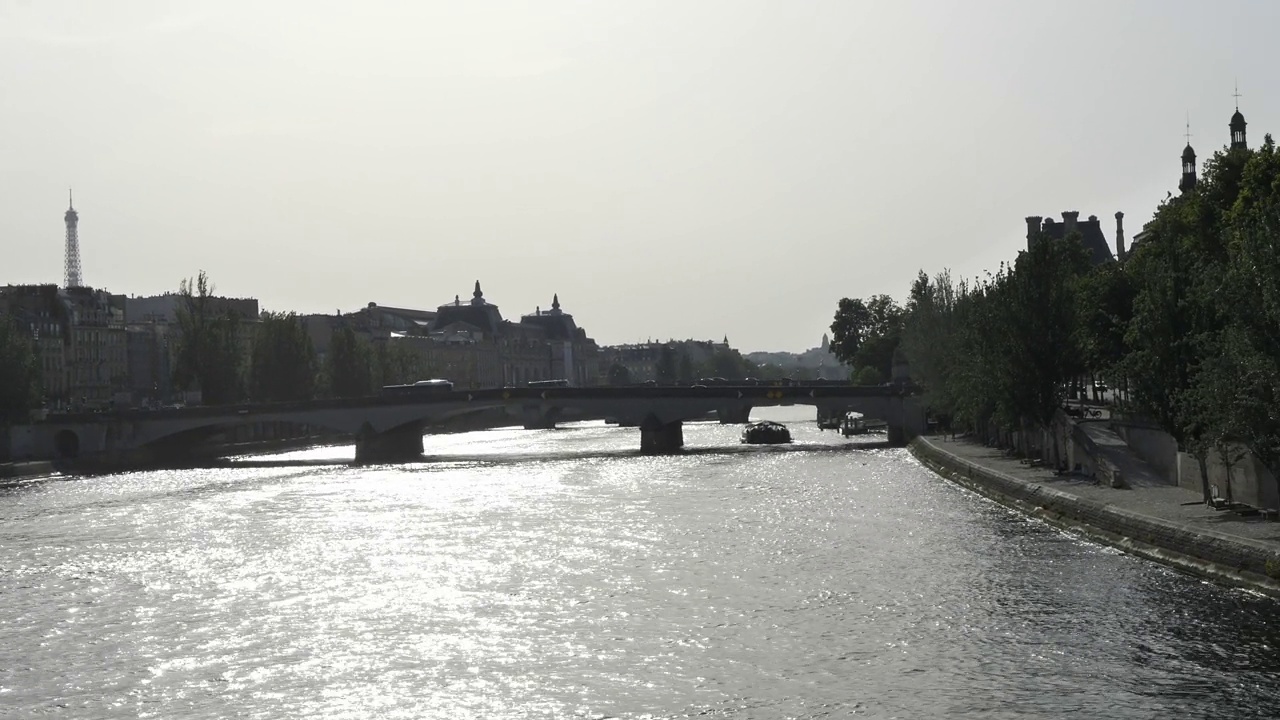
[422,387]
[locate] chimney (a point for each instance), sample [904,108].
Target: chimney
[1119,235]
[1033,229]
[1069,220]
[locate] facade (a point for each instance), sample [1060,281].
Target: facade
[642,359]
[150,361]
[97,368]
[471,344]
[571,354]
[495,351]
[40,312]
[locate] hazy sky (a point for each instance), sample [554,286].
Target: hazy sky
[671,169]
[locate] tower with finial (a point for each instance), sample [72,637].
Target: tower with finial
[477,297]
[1238,141]
[72,277]
[1188,163]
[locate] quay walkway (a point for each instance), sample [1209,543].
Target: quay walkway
[1149,517]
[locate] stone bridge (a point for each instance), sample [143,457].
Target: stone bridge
[391,428]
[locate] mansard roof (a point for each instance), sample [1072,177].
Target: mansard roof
[1091,236]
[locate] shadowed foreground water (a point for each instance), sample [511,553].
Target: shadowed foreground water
[553,574]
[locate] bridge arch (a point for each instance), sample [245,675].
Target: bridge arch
[66,444]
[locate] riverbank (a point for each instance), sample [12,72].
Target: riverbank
[26,470]
[1157,521]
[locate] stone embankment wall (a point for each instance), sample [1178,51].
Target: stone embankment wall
[1232,560]
[1239,475]
[14,471]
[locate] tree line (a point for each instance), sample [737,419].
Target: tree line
[1188,324]
[281,362]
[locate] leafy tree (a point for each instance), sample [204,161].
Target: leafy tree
[396,363]
[1104,311]
[868,376]
[931,337]
[1040,329]
[348,365]
[666,370]
[866,333]
[686,367]
[283,362]
[730,364]
[208,354]
[849,329]
[1235,386]
[619,374]
[19,373]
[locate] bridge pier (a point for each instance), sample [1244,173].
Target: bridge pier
[402,444]
[537,419]
[659,438]
[910,423]
[734,415]
[897,435]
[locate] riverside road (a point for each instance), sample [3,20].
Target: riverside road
[561,573]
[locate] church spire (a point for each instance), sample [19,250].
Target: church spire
[1188,163]
[1238,141]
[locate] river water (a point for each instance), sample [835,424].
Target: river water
[560,574]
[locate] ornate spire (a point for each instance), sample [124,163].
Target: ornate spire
[1188,162]
[555,301]
[1238,141]
[477,297]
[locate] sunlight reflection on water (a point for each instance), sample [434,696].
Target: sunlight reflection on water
[561,574]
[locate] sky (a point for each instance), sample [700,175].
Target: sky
[669,169]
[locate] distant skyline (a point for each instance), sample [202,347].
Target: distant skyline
[685,170]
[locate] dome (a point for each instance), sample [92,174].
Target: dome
[1237,119]
[1188,153]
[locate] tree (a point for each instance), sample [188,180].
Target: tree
[686,367]
[208,346]
[930,338]
[850,327]
[1235,387]
[348,367]
[728,364]
[395,363]
[868,376]
[666,370]
[19,373]
[619,374]
[283,363]
[866,333]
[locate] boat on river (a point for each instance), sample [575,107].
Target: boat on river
[766,432]
[853,424]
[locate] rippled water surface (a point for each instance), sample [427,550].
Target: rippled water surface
[559,574]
